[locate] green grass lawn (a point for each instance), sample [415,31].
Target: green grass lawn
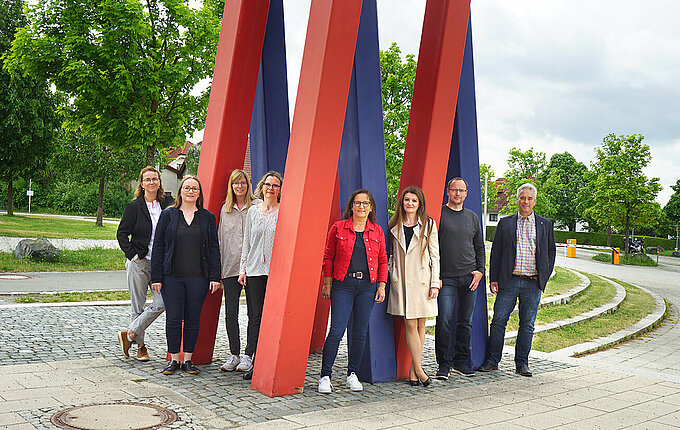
[33,226]
[84,259]
[89,296]
[636,306]
[668,253]
[595,295]
[623,259]
[563,281]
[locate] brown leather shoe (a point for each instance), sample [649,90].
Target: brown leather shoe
[124,343]
[142,353]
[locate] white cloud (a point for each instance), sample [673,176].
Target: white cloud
[554,75]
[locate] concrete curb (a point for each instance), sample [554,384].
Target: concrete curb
[566,297]
[622,335]
[609,307]
[560,299]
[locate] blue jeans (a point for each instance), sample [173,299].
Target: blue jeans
[351,297]
[456,288]
[529,298]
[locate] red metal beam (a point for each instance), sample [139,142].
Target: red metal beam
[226,127]
[323,306]
[306,202]
[433,109]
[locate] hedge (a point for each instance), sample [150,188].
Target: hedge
[596,239]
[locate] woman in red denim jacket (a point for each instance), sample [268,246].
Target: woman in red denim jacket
[355,273]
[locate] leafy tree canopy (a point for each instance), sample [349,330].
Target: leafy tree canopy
[563,179]
[128,66]
[526,166]
[397,75]
[672,208]
[27,111]
[623,196]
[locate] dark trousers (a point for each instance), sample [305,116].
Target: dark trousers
[232,295]
[183,297]
[529,295]
[256,286]
[353,297]
[456,288]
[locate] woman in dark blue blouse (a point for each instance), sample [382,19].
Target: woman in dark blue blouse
[185,264]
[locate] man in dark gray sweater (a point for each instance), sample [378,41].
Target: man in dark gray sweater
[461,246]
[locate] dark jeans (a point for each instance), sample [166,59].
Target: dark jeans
[183,297]
[529,298]
[456,288]
[232,295]
[256,286]
[353,297]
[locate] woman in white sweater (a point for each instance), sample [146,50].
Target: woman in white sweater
[258,242]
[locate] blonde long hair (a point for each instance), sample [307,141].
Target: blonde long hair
[421,214]
[139,191]
[237,174]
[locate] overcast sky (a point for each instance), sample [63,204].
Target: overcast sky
[554,75]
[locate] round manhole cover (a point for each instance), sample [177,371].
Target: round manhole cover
[12,277]
[105,416]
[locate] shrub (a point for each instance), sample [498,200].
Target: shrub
[596,239]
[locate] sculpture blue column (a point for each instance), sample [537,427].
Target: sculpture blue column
[270,122]
[464,162]
[362,165]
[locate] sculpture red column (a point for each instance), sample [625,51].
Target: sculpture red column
[433,109]
[306,197]
[323,306]
[226,127]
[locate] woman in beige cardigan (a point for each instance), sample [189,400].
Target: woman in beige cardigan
[414,273]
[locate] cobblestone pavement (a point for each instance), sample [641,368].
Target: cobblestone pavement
[50,334]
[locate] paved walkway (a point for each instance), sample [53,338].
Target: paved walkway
[55,357]
[74,217]
[655,352]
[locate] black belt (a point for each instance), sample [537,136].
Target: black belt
[534,277]
[357,275]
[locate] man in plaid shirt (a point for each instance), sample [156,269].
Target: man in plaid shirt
[522,260]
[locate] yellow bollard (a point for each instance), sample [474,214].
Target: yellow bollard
[571,248]
[615,255]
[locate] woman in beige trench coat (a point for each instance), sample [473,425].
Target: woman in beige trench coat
[414,273]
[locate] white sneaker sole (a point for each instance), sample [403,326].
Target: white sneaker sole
[226,369]
[326,391]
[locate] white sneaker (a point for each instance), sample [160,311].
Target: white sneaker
[325,385]
[245,365]
[231,363]
[353,382]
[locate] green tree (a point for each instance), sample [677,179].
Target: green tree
[672,208]
[563,179]
[27,111]
[397,75]
[128,66]
[492,190]
[86,159]
[623,196]
[526,166]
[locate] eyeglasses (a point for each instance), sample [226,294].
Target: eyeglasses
[187,188]
[457,190]
[240,184]
[364,204]
[148,180]
[271,185]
